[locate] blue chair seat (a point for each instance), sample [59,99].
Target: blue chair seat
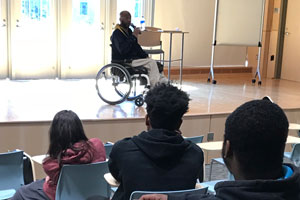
[84,181]
[138,194]
[211,185]
[288,155]
[7,194]
[196,139]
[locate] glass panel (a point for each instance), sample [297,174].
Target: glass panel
[82,39]
[135,7]
[3,40]
[33,39]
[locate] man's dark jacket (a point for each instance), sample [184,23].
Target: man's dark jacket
[285,189]
[125,45]
[157,160]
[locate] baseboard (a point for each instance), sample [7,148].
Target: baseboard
[205,70]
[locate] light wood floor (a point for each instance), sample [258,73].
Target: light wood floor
[39,100]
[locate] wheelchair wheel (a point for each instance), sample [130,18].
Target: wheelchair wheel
[113,84]
[139,101]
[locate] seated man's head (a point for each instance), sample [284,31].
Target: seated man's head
[254,141]
[166,105]
[125,19]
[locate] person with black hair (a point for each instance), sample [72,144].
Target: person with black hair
[253,148]
[159,158]
[68,145]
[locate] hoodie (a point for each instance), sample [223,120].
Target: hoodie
[283,189]
[90,152]
[157,160]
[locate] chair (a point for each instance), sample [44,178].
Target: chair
[84,181]
[294,156]
[215,160]
[108,147]
[137,194]
[211,185]
[11,173]
[150,38]
[196,139]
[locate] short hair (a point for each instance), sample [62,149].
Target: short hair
[257,131]
[166,105]
[125,12]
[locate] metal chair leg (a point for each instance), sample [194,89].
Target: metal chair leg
[210,171]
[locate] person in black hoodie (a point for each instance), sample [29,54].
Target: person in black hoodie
[125,48]
[254,143]
[160,158]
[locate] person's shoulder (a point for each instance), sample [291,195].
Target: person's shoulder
[195,147]
[124,142]
[96,142]
[117,32]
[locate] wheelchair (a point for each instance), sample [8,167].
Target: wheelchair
[119,81]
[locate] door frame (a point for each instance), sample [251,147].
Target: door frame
[4,16]
[281,37]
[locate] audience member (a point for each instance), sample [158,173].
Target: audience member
[159,158]
[254,143]
[68,145]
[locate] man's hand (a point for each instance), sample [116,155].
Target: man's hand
[154,197]
[136,32]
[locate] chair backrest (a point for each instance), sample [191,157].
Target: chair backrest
[11,170]
[84,181]
[137,194]
[149,38]
[150,28]
[196,139]
[296,155]
[108,147]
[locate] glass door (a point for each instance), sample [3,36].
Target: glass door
[135,7]
[33,39]
[3,40]
[82,38]
[290,67]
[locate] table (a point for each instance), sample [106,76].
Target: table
[39,159]
[171,32]
[293,126]
[218,145]
[111,180]
[114,183]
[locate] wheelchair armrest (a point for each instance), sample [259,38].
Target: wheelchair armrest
[121,62]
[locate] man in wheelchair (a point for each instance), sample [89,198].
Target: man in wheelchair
[126,49]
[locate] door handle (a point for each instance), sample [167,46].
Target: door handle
[102,26]
[17,23]
[287,33]
[113,26]
[4,23]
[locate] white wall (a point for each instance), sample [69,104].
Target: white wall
[196,17]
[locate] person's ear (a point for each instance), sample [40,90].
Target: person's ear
[227,149]
[179,124]
[147,121]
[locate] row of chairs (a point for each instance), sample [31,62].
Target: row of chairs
[72,180]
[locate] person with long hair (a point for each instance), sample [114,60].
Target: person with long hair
[68,145]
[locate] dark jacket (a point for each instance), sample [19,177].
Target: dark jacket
[125,45]
[157,160]
[286,189]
